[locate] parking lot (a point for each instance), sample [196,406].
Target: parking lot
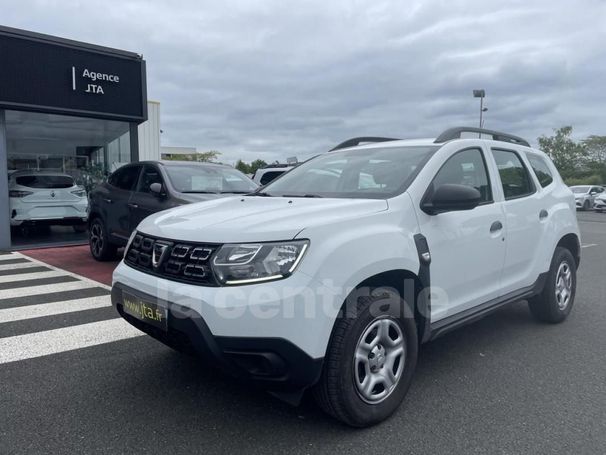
[75,379]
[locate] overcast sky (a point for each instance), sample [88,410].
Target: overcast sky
[277,78]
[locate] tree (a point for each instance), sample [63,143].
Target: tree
[596,155]
[243,167]
[250,168]
[567,155]
[210,156]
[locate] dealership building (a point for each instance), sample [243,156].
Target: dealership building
[67,109]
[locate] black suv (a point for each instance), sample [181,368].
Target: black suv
[137,190]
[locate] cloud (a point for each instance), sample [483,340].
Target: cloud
[272,79]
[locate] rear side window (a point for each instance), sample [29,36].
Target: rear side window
[515,178]
[45,181]
[125,178]
[541,169]
[269,176]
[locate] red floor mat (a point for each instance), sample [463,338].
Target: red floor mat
[75,259]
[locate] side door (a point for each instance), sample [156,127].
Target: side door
[467,247]
[143,201]
[121,185]
[526,213]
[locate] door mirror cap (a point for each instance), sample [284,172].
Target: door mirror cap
[157,189]
[451,197]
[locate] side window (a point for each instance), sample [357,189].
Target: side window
[269,176]
[541,169]
[514,176]
[597,189]
[125,178]
[149,175]
[466,167]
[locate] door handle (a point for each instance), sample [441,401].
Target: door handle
[496,227]
[133,206]
[543,214]
[109,201]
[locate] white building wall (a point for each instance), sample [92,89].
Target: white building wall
[149,133]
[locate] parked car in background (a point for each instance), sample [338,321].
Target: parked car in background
[137,190]
[46,198]
[599,203]
[584,195]
[270,172]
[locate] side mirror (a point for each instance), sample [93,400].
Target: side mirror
[451,197]
[157,190]
[593,193]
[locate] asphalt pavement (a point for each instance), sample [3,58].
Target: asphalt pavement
[75,379]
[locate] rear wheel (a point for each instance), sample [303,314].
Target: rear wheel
[555,302]
[100,246]
[369,364]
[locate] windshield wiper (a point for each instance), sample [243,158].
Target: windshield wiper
[200,192]
[234,192]
[301,195]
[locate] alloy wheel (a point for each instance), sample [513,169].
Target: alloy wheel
[563,285]
[379,360]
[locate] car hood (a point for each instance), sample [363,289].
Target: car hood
[253,218]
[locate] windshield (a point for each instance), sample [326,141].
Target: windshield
[203,179]
[580,189]
[371,173]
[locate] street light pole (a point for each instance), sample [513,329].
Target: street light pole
[481,93]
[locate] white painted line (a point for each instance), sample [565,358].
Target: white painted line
[44,289]
[22,265]
[589,245]
[21,347]
[30,276]
[52,309]
[4,257]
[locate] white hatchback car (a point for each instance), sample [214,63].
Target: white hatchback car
[330,277]
[46,198]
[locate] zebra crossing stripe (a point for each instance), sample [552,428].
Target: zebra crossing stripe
[38,344]
[7,294]
[52,309]
[30,276]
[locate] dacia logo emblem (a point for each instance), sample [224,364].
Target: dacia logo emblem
[158,254]
[52,194]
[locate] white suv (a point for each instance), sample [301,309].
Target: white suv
[330,277]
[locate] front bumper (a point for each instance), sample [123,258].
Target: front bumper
[236,328]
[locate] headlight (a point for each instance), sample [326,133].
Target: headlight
[248,263]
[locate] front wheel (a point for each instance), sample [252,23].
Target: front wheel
[555,302]
[100,246]
[586,206]
[369,364]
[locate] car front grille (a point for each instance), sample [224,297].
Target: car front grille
[185,262]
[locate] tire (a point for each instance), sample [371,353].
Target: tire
[586,206]
[339,391]
[100,246]
[554,303]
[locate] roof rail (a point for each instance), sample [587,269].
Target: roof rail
[455,133]
[358,140]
